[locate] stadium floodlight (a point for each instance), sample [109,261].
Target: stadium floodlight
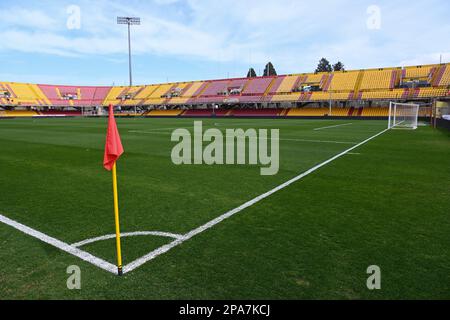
[403,115]
[129,21]
[331,98]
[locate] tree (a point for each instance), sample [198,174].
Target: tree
[339,66]
[251,73]
[324,66]
[269,70]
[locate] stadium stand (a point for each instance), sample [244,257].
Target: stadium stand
[164,113]
[289,97]
[19,113]
[256,112]
[119,96]
[308,112]
[378,79]
[315,79]
[287,84]
[418,72]
[198,113]
[445,77]
[214,88]
[343,81]
[258,86]
[74,96]
[385,94]
[432,92]
[241,96]
[22,94]
[341,112]
[375,112]
[160,94]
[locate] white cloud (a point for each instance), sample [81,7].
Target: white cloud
[20,17]
[292,34]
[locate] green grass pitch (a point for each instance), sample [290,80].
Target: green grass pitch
[386,203]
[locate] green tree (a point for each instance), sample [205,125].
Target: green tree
[269,70]
[338,66]
[324,66]
[251,73]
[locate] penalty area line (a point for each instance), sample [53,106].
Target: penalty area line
[165,248]
[100,263]
[336,126]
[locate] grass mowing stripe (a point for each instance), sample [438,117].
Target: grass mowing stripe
[139,262]
[280,139]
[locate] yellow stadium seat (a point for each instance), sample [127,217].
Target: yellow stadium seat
[287,84]
[344,81]
[308,112]
[376,79]
[445,80]
[20,113]
[165,113]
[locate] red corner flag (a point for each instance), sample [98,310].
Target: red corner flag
[113,146]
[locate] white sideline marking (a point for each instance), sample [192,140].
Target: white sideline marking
[127,234]
[329,127]
[281,139]
[60,245]
[163,249]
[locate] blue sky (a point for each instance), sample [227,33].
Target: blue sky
[183,40]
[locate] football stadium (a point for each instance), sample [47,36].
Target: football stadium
[301,184]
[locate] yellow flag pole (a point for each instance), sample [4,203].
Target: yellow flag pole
[116,219]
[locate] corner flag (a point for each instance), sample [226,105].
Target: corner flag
[113,146]
[113,151]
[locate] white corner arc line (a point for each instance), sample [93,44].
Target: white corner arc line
[60,245]
[127,234]
[336,126]
[163,249]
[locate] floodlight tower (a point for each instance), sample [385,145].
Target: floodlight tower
[129,21]
[329,89]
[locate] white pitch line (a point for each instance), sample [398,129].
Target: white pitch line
[319,141]
[163,249]
[329,127]
[127,234]
[60,245]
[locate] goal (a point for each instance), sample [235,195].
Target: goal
[403,115]
[90,111]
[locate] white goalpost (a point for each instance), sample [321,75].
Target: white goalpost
[403,115]
[91,111]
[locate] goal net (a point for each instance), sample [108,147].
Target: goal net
[403,115]
[90,111]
